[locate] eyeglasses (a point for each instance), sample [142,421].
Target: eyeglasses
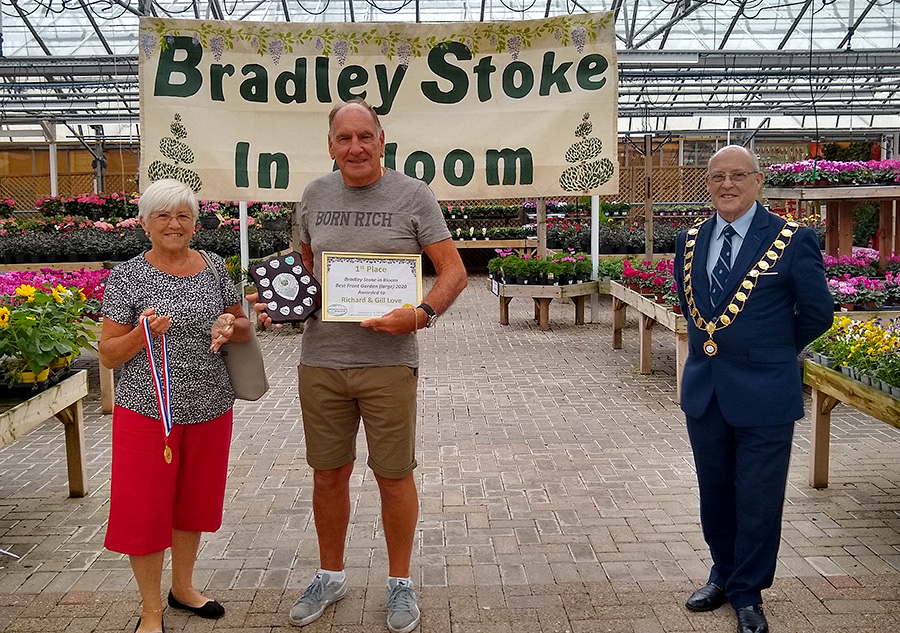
[165,218]
[738,176]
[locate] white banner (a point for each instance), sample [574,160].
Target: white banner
[239,110]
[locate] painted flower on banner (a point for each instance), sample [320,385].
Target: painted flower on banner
[514,46]
[148,44]
[341,48]
[217,46]
[579,37]
[276,48]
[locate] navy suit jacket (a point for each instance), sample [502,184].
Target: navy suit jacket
[755,375]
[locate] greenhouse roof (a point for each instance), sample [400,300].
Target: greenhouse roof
[819,68]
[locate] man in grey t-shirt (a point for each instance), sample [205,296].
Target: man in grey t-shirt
[366,370]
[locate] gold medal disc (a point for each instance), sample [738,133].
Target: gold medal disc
[710,348]
[168,455]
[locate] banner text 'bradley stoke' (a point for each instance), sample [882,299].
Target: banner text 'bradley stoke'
[457,92]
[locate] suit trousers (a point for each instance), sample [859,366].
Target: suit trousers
[742,475]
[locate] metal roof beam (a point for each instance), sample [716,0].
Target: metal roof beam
[852,29]
[100,36]
[30,27]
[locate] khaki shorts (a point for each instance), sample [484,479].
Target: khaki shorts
[332,402]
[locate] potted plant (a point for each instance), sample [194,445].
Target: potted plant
[273,217]
[39,325]
[583,267]
[888,373]
[7,207]
[844,293]
[512,269]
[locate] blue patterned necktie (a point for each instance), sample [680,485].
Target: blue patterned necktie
[722,267]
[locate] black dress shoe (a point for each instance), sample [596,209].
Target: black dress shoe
[709,597]
[751,619]
[211,610]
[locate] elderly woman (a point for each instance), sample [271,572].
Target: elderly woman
[168,480]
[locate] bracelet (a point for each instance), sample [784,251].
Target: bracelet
[416,317]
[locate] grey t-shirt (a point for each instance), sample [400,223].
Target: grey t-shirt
[396,214]
[201,389]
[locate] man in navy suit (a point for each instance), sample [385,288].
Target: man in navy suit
[752,288]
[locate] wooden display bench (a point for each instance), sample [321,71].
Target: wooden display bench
[522,247]
[62,400]
[839,203]
[829,388]
[868,315]
[543,295]
[651,314]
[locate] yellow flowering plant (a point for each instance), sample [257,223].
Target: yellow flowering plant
[871,347]
[39,325]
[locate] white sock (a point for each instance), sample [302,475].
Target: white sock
[333,576]
[400,581]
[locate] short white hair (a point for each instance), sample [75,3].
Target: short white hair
[167,195]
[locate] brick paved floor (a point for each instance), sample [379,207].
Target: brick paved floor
[557,494]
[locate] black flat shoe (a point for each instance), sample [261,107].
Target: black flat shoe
[709,597]
[212,610]
[138,625]
[751,619]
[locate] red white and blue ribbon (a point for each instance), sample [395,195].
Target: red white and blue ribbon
[162,384]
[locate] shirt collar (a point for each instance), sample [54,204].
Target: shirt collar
[741,225]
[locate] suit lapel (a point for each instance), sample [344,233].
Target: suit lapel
[700,277]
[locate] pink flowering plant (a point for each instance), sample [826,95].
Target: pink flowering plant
[847,290]
[94,206]
[854,265]
[648,275]
[7,206]
[833,172]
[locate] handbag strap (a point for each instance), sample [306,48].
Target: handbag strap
[215,273]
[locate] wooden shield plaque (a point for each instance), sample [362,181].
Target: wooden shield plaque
[287,287]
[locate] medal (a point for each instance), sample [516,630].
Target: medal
[161,385]
[710,348]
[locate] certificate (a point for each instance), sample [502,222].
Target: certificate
[360,286]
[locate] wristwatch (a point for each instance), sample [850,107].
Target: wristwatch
[431,317]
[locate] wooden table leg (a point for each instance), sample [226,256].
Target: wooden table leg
[886,232]
[72,418]
[644,329]
[831,227]
[681,353]
[845,227]
[619,308]
[504,310]
[822,405]
[542,305]
[537,309]
[107,389]
[579,309]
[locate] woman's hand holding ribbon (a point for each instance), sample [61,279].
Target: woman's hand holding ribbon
[222,329]
[159,324]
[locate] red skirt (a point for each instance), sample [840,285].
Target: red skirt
[148,497]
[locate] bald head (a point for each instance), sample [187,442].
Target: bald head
[734,151]
[353,103]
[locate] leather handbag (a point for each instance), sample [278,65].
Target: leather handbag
[244,361]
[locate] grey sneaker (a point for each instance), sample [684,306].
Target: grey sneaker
[402,607]
[321,592]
